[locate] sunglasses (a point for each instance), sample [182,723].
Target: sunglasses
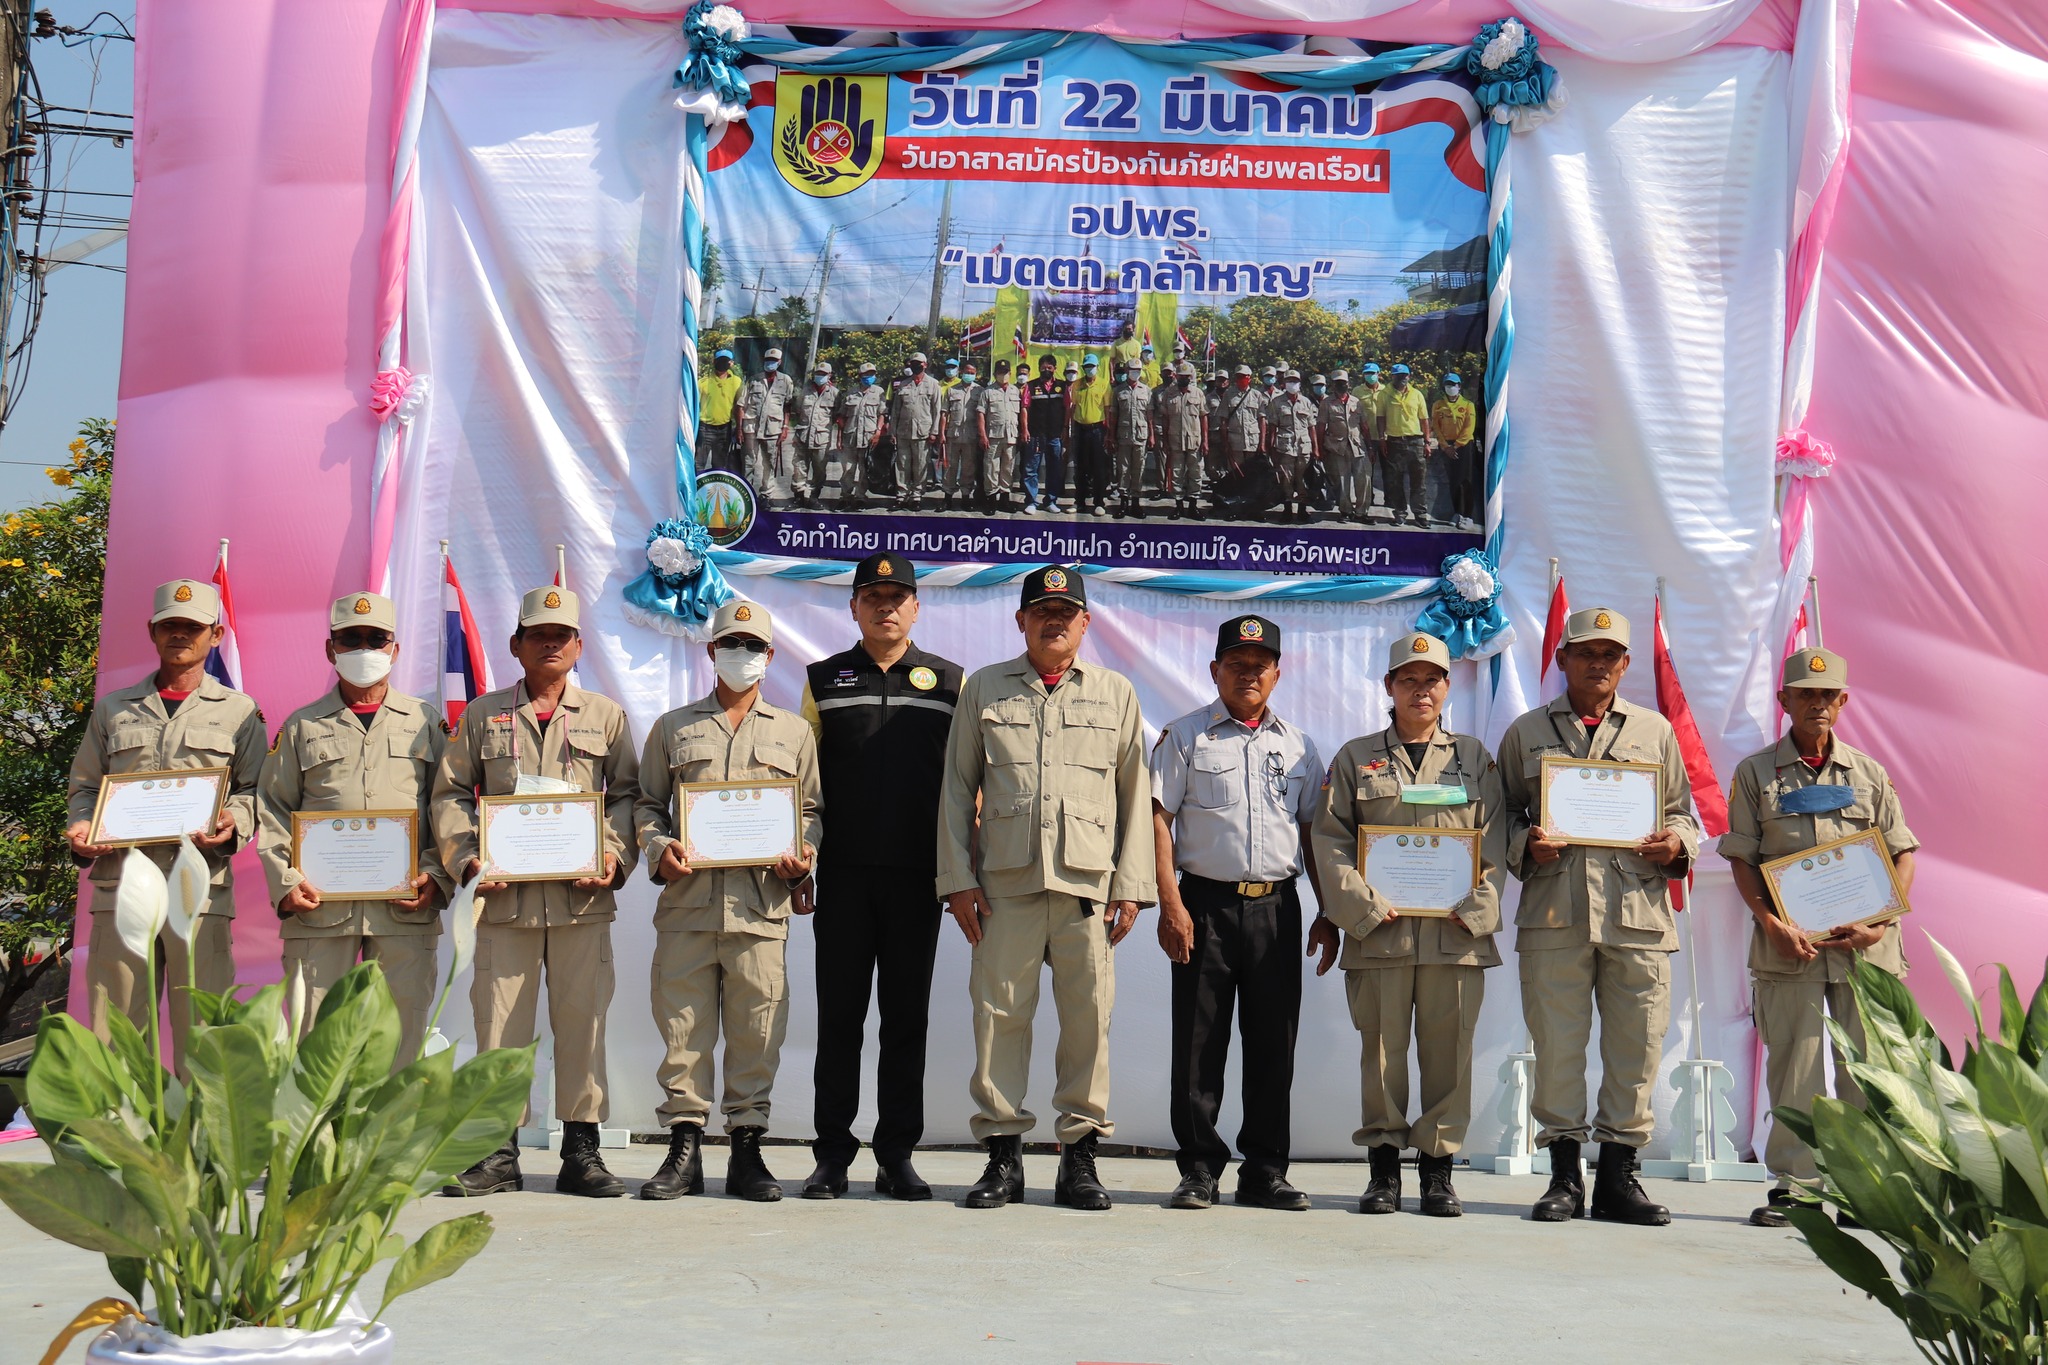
[362,639]
[746,642]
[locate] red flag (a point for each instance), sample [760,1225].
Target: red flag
[1553,626]
[1706,787]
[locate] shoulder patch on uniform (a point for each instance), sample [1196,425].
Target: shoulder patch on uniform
[447,727]
[1373,766]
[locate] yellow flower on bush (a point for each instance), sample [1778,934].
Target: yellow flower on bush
[53,571]
[60,477]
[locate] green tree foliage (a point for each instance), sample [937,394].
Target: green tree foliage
[52,566]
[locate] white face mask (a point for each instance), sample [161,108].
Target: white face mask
[1450,390]
[740,669]
[363,667]
[1294,386]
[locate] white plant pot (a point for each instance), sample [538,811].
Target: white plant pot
[346,1343]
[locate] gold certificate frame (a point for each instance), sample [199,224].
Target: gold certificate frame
[547,811]
[1402,835]
[178,778]
[358,822]
[1784,878]
[727,838]
[1558,768]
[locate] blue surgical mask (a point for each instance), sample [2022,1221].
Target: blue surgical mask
[1319,390]
[772,366]
[1817,799]
[866,380]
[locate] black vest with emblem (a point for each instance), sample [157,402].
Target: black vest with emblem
[882,757]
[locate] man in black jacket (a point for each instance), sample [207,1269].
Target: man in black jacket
[881,711]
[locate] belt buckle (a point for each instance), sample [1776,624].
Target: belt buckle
[1257,891]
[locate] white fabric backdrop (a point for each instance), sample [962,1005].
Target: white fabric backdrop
[1651,221]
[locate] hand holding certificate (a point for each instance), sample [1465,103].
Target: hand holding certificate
[357,854]
[1426,872]
[1836,886]
[739,824]
[1598,803]
[158,807]
[532,838]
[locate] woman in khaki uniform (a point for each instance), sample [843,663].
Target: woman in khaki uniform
[1404,972]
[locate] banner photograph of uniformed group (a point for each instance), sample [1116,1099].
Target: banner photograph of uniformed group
[1085,305]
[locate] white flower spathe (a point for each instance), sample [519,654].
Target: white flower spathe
[141,903]
[672,558]
[1473,583]
[1506,43]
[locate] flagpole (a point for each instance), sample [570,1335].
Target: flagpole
[561,567]
[224,554]
[1812,604]
[1703,1095]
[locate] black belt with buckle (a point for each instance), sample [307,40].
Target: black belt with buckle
[1251,891]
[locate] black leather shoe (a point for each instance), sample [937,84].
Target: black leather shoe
[826,1181]
[682,1171]
[497,1173]
[1383,1190]
[898,1179]
[1077,1186]
[1439,1199]
[1618,1196]
[1270,1191]
[1002,1180]
[746,1174]
[1197,1190]
[1566,1197]
[583,1170]
[1772,1213]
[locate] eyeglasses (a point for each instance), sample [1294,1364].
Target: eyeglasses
[746,642]
[361,639]
[1276,772]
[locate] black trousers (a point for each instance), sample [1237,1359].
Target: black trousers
[1091,463]
[1246,953]
[876,927]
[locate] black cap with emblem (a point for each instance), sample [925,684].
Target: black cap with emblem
[885,568]
[1053,583]
[1247,630]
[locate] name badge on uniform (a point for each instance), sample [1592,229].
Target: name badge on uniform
[1434,794]
[1817,799]
[531,784]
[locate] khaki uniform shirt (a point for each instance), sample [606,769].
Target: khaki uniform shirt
[914,413]
[767,399]
[1594,895]
[587,745]
[1002,411]
[1759,832]
[1180,418]
[1131,416]
[131,732]
[1066,802]
[962,404]
[810,414]
[695,744]
[1343,424]
[860,415]
[1244,415]
[1363,787]
[1292,417]
[324,759]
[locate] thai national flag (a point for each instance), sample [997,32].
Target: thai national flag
[465,668]
[224,660]
[1017,342]
[978,337]
[1180,339]
[1209,346]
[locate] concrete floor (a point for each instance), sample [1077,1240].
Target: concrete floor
[868,1279]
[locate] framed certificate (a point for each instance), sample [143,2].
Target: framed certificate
[357,854]
[739,824]
[1841,885]
[1606,805]
[157,807]
[1423,872]
[557,837]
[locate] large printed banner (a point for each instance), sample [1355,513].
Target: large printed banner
[1091,205]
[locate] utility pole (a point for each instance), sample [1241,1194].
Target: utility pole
[759,275]
[16,151]
[931,322]
[818,313]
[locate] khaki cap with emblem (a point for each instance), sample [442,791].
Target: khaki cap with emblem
[822,367]
[1244,370]
[186,599]
[1291,374]
[1184,368]
[362,609]
[1596,623]
[772,353]
[1340,376]
[741,617]
[1815,668]
[919,358]
[1418,647]
[550,606]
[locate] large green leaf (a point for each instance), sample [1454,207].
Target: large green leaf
[353,1020]
[306,1219]
[1846,1256]
[2034,1038]
[484,1105]
[2012,1020]
[236,1093]
[82,1206]
[139,1070]
[2016,1102]
[441,1251]
[74,1076]
[1908,1110]
[1863,1166]
[1971,1143]
[163,1184]
[1950,1283]
[2001,1263]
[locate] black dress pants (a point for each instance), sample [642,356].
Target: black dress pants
[875,927]
[1246,953]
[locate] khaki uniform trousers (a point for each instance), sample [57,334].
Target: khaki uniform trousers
[1021,935]
[409,967]
[124,976]
[1788,1015]
[999,467]
[1130,462]
[767,461]
[965,473]
[1440,1003]
[703,979]
[1632,988]
[811,465]
[506,995]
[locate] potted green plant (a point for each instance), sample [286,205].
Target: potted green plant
[159,1175]
[1948,1167]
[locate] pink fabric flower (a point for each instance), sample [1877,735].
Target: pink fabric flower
[1803,456]
[388,389]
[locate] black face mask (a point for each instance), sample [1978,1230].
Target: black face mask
[917,369]
[721,366]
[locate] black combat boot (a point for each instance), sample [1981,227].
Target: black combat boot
[826,1181]
[495,1174]
[1002,1180]
[1771,1214]
[1269,1190]
[1439,1199]
[682,1171]
[897,1178]
[746,1174]
[1077,1186]
[1383,1190]
[1566,1197]
[1618,1196]
[1197,1190]
[583,1170]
